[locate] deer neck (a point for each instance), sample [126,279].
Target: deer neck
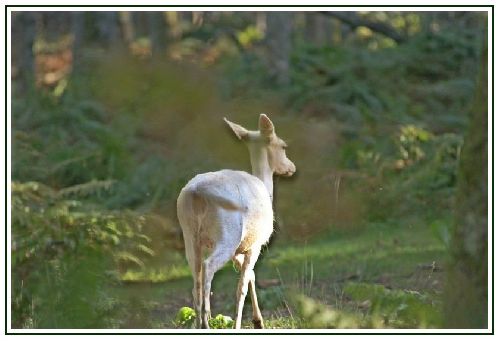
[261,168]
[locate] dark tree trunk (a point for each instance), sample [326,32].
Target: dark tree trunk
[17,38]
[157,33]
[108,27]
[466,304]
[55,25]
[127,27]
[78,28]
[318,30]
[23,37]
[260,22]
[279,44]
[140,22]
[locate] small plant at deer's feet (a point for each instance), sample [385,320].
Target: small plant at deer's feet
[186,317]
[221,322]
[228,215]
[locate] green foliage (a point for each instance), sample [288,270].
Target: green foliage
[271,298]
[410,139]
[221,322]
[316,315]
[69,292]
[375,129]
[396,308]
[185,317]
[442,231]
[66,141]
[45,222]
[357,86]
[64,252]
[149,275]
[420,167]
[249,36]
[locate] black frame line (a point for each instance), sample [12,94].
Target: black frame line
[255,6]
[299,332]
[492,169]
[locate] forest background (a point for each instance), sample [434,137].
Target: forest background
[383,226]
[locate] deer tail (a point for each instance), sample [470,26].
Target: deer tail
[201,197]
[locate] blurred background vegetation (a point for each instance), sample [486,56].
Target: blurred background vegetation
[113,112]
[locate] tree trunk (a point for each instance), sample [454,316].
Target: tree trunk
[466,301]
[318,29]
[260,22]
[55,25]
[23,37]
[107,24]
[139,19]
[197,18]
[17,38]
[279,44]
[157,33]
[78,28]
[127,27]
[174,21]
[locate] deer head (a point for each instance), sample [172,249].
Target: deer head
[267,150]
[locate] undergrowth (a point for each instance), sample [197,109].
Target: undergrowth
[375,133]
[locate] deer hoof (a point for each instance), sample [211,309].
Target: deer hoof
[258,324]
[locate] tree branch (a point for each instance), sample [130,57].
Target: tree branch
[353,20]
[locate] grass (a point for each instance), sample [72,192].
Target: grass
[388,254]
[163,274]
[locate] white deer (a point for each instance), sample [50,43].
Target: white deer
[228,215]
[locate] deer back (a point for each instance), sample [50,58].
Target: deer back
[230,206]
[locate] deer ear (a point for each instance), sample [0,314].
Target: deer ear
[240,132]
[266,127]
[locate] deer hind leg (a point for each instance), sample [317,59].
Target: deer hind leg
[193,255]
[197,290]
[247,277]
[210,266]
[257,320]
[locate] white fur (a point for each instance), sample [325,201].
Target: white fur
[228,215]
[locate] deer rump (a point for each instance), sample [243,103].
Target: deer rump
[228,209]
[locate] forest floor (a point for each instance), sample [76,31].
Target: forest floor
[408,257]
